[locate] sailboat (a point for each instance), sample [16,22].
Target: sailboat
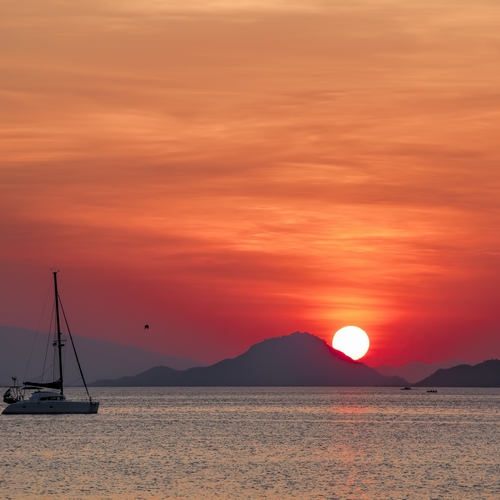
[48,397]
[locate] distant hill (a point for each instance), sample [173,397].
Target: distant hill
[299,359]
[416,370]
[99,358]
[485,374]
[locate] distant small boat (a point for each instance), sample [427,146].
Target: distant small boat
[432,390]
[406,388]
[48,401]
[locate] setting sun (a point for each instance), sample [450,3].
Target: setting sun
[352,341]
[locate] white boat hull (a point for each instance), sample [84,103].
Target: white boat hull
[50,408]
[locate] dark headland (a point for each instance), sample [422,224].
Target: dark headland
[299,359]
[485,374]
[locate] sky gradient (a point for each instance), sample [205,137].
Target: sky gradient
[233,171]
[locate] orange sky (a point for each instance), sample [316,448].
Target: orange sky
[233,171]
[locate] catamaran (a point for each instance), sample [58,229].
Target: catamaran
[34,398]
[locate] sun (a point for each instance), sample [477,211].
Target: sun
[352,341]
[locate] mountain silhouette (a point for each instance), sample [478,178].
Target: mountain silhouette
[485,374]
[99,358]
[415,370]
[299,359]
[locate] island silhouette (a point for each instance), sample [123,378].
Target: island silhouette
[485,374]
[298,359]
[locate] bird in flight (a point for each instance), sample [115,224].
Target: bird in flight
[146,327]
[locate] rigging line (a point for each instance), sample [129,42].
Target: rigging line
[38,330]
[74,381]
[74,350]
[49,371]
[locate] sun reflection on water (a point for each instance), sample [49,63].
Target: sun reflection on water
[259,442]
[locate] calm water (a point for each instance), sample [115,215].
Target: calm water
[259,443]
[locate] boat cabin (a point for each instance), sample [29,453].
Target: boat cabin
[40,396]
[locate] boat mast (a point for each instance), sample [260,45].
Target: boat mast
[59,343]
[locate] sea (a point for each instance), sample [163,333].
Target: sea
[259,443]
